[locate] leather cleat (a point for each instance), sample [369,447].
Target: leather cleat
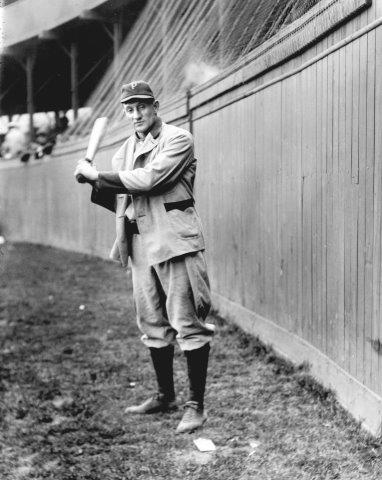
[193,418]
[155,404]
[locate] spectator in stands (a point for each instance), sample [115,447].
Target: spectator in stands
[62,124]
[15,142]
[43,144]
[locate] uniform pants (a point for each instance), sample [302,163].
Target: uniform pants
[172,299]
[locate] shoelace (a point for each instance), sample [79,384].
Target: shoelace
[190,408]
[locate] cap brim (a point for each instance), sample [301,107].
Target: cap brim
[126,99]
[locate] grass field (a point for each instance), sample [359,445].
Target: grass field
[71,360]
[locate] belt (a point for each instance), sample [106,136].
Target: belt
[180,205]
[131,227]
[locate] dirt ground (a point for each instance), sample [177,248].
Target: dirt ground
[71,360]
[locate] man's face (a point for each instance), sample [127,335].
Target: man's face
[142,114]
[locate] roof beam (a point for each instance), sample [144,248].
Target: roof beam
[48,35]
[93,16]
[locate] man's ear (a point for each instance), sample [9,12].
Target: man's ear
[156,105]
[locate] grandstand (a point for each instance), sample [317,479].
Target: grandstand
[54,53]
[80,55]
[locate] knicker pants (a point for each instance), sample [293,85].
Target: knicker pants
[172,299]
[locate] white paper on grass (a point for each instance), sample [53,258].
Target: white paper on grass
[210,326]
[204,444]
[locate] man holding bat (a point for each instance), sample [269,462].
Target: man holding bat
[150,188]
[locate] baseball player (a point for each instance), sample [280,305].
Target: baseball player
[150,188]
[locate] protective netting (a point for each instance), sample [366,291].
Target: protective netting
[177,44]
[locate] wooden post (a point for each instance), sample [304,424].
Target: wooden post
[74,77]
[30,99]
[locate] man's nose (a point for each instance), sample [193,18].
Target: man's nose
[136,114]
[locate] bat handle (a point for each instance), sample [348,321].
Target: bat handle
[80,178]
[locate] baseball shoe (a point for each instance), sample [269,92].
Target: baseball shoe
[193,418]
[155,404]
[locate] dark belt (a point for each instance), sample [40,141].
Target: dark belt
[131,227]
[180,205]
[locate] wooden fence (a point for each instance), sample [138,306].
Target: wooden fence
[289,187]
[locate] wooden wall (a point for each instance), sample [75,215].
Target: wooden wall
[289,188]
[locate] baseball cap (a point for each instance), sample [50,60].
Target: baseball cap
[137,89]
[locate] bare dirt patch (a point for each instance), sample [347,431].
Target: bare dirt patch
[71,360]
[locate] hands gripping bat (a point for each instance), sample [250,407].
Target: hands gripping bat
[97,133]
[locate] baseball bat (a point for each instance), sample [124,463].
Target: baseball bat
[97,133]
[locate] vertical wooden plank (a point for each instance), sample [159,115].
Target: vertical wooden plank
[259,119]
[294,289]
[224,163]
[335,251]
[348,217]
[360,332]
[230,159]
[253,182]
[245,256]
[377,271]
[279,307]
[221,195]
[286,222]
[369,205]
[297,193]
[299,196]
[291,183]
[281,228]
[304,215]
[252,297]
[266,201]
[318,189]
[237,179]
[312,198]
[282,207]
[341,203]
[247,214]
[314,209]
[242,111]
[324,189]
[329,207]
[354,210]
[274,180]
[270,201]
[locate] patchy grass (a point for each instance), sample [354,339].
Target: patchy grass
[70,356]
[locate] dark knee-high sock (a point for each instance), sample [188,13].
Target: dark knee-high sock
[162,359]
[197,363]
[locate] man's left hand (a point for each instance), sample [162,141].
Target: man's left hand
[86,169]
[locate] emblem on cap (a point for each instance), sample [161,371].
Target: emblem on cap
[133,85]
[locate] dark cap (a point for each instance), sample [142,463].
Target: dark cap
[137,89]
